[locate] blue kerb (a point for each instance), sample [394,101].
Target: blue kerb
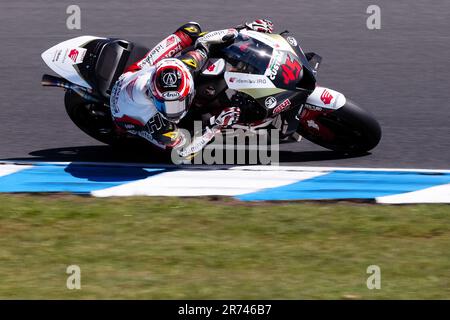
[76,178]
[351,185]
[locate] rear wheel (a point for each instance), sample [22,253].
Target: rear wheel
[93,119]
[96,121]
[349,129]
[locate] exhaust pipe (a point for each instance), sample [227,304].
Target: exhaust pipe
[52,81]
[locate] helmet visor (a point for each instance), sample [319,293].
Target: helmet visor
[173,111]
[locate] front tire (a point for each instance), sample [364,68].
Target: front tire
[349,129]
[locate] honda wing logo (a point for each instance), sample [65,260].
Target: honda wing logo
[291,70]
[73,54]
[326,97]
[211,67]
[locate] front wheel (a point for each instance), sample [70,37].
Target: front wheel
[349,129]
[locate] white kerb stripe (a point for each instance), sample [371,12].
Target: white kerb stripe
[437,194]
[206,182]
[6,169]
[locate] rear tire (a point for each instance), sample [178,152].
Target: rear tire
[96,121]
[93,119]
[353,130]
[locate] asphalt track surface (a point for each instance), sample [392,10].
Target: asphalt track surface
[400,73]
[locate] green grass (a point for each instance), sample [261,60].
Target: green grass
[172,248]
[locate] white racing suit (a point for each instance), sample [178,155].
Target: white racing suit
[133,110]
[132,106]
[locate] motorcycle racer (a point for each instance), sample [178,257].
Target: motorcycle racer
[155,93]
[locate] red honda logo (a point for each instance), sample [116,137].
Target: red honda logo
[73,54]
[211,67]
[291,70]
[244,47]
[326,97]
[170,41]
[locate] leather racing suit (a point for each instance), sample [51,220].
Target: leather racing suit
[132,108]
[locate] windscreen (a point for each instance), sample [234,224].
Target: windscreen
[248,54]
[287,70]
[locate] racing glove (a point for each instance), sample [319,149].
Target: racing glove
[260,25]
[215,38]
[228,117]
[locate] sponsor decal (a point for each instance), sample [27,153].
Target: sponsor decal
[115,96]
[214,67]
[292,41]
[57,55]
[172,135]
[157,49]
[211,67]
[198,143]
[191,29]
[73,54]
[153,55]
[215,34]
[326,97]
[146,60]
[243,47]
[65,55]
[275,64]
[171,95]
[155,124]
[271,102]
[129,88]
[291,70]
[129,126]
[312,107]
[148,136]
[81,58]
[283,106]
[238,81]
[312,124]
[174,51]
[170,79]
[170,41]
[190,62]
[249,81]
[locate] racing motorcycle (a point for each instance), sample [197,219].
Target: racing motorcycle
[270,70]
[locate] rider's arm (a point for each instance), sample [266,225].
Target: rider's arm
[184,37]
[196,58]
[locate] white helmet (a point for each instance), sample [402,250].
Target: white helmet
[172,86]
